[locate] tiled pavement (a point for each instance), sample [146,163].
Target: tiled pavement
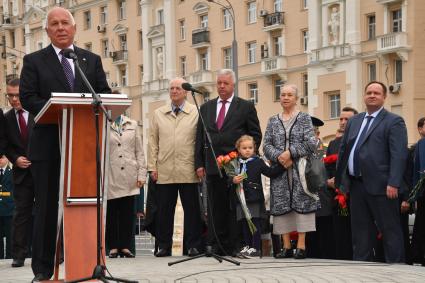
[147,268]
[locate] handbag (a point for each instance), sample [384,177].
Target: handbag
[315,174]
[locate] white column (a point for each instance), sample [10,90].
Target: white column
[404,16]
[6,9]
[170,40]
[28,39]
[325,28]
[352,22]
[147,50]
[313,24]
[385,19]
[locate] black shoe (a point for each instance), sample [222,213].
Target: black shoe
[300,254]
[192,252]
[18,262]
[284,253]
[126,254]
[40,277]
[163,253]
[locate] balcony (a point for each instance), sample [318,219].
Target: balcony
[273,21]
[329,53]
[387,1]
[156,86]
[274,65]
[201,78]
[393,43]
[200,38]
[119,57]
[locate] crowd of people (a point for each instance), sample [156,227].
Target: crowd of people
[359,213]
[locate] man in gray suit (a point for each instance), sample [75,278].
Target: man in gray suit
[371,164]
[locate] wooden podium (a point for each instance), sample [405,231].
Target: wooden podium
[74,114]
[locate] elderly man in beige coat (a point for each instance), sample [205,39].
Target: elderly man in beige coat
[171,164]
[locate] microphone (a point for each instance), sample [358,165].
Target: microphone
[70,54]
[189,87]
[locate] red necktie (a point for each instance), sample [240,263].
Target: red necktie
[221,114]
[23,126]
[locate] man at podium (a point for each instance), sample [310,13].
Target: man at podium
[46,71]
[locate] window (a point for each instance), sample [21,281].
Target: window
[304,4]
[398,67]
[334,104]
[12,39]
[182,28]
[87,20]
[305,84]
[40,45]
[396,20]
[160,17]
[252,46]
[253,92]
[88,46]
[103,15]
[277,5]
[227,58]
[371,27]
[105,48]
[183,66]
[252,12]
[371,71]
[123,74]
[227,19]
[140,39]
[204,61]
[305,40]
[277,46]
[122,10]
[123,41]
[141,74]
[204,21]
[277,85]
[23,37]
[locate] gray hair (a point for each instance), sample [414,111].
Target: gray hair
[227,72]
[60,8]
[291,86]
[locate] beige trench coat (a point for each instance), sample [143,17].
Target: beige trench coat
[171,145]
[127,163]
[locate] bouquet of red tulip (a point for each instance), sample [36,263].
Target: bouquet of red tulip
[341,198]
[231,165]
[330,159]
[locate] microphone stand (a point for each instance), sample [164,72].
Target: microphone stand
[208,252]
[99,269]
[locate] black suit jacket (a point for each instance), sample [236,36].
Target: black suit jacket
[241,119]
[15,145]
[42,74]
[382,155]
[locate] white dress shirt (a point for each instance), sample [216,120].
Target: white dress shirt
[71,62]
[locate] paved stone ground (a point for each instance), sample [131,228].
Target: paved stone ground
[150,269]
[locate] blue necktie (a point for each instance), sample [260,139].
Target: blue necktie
[68,71]
[356,163]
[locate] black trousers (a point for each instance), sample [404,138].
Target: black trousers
[321,243]
[221,214]
[167,199]
[120,223]
[5,227]
[343,242]
[366,210]
[418,238]
[22,217]
[45,175]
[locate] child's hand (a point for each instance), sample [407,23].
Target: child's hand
[238,179]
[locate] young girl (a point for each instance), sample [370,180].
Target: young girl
[253,166]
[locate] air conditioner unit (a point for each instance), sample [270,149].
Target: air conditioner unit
[395,88]
[263,13]
[304,100]
[101,28]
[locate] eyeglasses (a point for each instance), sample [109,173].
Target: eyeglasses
[12,95]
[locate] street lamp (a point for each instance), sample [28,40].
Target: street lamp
[234,42]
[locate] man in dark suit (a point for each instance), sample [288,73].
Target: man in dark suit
[44,72]
[371,164]
[18,126]
[227,118]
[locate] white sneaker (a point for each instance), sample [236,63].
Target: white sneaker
[244,249]
[252,252]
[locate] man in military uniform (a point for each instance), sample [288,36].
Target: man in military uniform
[6,206]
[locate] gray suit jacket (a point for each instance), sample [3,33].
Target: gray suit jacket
[382,155]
